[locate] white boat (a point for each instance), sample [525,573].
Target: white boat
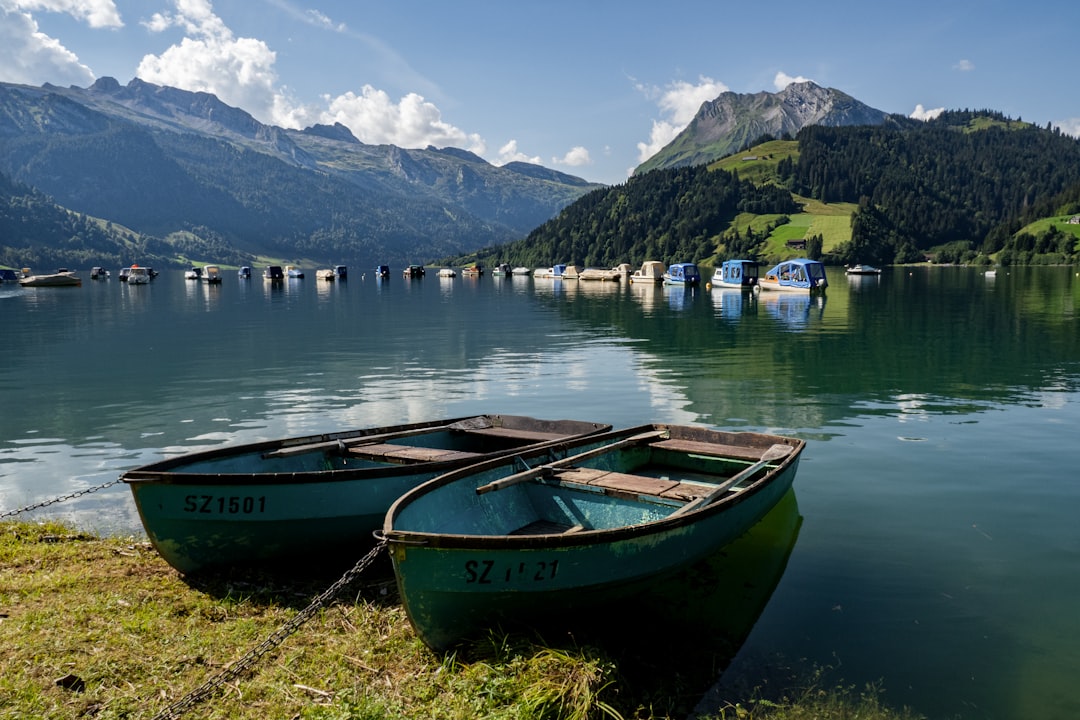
[612,275]
[211,274]
[555,272]
[291,271]
[59,278]
[244,273]
[447,273]
[521,271]
[99,273]
[650,271]
[193,274]
[137,275]
[325,274]
[863,270]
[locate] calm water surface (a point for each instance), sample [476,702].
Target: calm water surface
[938,550]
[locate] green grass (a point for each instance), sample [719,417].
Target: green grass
[108,613]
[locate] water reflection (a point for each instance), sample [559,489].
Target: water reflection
[794,310]
[732,303]
[674,638]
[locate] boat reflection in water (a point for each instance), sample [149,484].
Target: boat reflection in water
[674,639]
[794,310]
[731,303]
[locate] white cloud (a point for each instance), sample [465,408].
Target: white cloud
[411,122]
[31,57]
[575,157]
[510,153]
[95,13]
[782,80]
[240,71]
[964,66]
[921,113]
[1070,126]
[678,104]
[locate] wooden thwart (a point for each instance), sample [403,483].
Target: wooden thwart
[773,453]
[696,447]
[408,453]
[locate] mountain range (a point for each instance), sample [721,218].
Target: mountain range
[187,177]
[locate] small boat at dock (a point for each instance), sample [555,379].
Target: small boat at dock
[736,273]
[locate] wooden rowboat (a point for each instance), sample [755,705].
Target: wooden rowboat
[313,499]
[496,544]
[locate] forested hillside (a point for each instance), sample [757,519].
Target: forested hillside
[670,215]
[956,189]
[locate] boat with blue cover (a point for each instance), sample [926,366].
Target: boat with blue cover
[736,273]
[523,539]
[301,500]
[682,274]
[800,275]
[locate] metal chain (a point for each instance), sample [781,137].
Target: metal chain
[276,638]
[46,503]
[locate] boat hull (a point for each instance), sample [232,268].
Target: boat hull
[461,568]
[315,498]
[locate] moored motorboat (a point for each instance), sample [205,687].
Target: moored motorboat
[244,273]
[447,273]
[862,270]
[211,275]
[61,278]
[382,272]
[612,275]
[651,271]
[521,270]
[308,499]
[293,272]
[555,272]
[799,275]
[99,273]
[735,273]
[325,274]
[413,272]
[138,275]
[194,273]
[518,540]
[682,274]
[273,272]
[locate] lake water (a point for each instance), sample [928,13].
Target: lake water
[939,548]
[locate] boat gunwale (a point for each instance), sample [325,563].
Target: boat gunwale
[159,472]
[785,468]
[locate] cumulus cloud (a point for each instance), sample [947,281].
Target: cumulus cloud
[575,157]
[240,71]
[678,103]
[1070,126]
[410,122]
[964,66]
[31,57]
[921,113]
[782,80]
[510,153]
[95,13]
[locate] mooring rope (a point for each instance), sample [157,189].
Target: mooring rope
[272,641]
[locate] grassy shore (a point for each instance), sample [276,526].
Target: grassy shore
[101,627]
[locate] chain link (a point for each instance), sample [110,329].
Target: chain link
[46,503]
[272,641]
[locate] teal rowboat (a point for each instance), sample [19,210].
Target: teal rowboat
[522,539]
[313,500]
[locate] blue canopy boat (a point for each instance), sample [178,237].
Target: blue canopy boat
[313,498]
[798,275]
[736,273]
[682,274]
[516,539]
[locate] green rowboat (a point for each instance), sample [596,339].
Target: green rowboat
[523,539]
[313,500]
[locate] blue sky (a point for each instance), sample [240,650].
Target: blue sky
[589,87]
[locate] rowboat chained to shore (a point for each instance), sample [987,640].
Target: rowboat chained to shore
[539,536]
[319,498]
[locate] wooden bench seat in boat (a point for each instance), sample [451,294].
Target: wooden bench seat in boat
[517,434]
[635,484]
[737,452]
[407,453]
